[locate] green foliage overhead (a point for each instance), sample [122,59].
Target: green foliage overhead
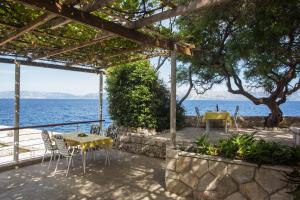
[137,98]
[246,147]
[246,45]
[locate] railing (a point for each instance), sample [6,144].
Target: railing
[30,141]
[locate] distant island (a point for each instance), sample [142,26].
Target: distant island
[209,95]
[46,95]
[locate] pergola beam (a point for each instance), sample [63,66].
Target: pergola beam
[87,7]
[30,26]
[48,65]
[102,37]
[96,22]
[194,5]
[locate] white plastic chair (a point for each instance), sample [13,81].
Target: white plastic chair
[63,151]
[48,147]
[198,117]
[236,117]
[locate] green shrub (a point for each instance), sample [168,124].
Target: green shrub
[137,98]
[246,147]
[204,147]
[263,152]
[294,179]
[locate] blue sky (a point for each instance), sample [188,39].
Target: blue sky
[50,80]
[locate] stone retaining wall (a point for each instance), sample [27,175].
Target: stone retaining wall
[214,178]
[140,144]
[249,121]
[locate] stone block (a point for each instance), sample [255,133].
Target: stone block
[253,191]
[171,164]
[282,195]
[241,173]
[236,196]
[183,163]
[199,166]
[218,169]
[207,182]
[177,187]
[171,174]
[226,186]
[204,195]
[189,179]
[171,153]
[270,180]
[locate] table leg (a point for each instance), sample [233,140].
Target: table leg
[207,126]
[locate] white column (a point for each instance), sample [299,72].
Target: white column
[101,99]
[173,98]
[17,112]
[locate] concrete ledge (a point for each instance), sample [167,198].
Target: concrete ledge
[22,163]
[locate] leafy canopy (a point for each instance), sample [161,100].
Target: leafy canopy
[246,44]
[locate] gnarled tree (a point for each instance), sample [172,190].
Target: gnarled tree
[246,45]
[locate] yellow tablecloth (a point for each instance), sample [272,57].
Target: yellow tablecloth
[89,141]
[217,115]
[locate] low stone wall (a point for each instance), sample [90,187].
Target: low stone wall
[214,178]
[248,122]
[141,144]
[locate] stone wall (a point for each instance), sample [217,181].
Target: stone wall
[249,121]
[214,178]
[141,144]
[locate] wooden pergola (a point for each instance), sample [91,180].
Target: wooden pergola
[89,36]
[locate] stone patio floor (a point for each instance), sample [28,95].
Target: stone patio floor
[130,176]
[284,136]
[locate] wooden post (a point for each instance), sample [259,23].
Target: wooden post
[17,112]
[101,100]
[173,98]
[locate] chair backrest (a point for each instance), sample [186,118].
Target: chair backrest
[197,111]
[61,145]
[237,109]
[47,141]
[95,129]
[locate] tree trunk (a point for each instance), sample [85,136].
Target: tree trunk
[275,117]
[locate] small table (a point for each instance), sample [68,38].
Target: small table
[89,141]
[217,116]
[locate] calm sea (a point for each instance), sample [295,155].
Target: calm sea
[46,111]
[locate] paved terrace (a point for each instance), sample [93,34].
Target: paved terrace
[130,176]
[284,136]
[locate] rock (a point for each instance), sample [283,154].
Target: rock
[253,191]
[170,164]
[282,195]
[177,187]
[171,153]
[241,173]
[199,167]
[204,195]
[183,163]
[171,174]
[226,187]
[219,169]
[270,180]
[207,182]
[236,196]
[189,179]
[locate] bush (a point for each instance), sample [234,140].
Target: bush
[246,147]
[137,98]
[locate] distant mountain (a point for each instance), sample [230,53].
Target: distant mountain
[46,95]
[209,95]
